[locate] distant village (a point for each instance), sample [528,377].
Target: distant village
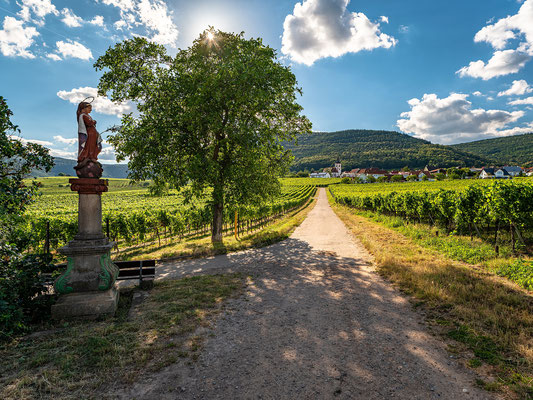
[369,175]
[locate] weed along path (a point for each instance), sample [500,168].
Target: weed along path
[315,322]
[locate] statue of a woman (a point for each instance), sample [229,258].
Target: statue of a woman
[89,144]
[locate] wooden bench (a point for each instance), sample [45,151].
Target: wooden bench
[143,270]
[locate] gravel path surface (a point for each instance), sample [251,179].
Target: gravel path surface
[316,323]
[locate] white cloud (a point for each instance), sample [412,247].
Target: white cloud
[70,19]
[36,141]
[68,154]
[511,27]
[97,20]
[528,128]
[107,153]
[527,100]
[126,5]
[325,28]
[15,39]
[502,63]
[74,50]
[384,19]
[101,104]
[403,29]
[40,8]
[518,88]
[153,15]
[54,57]
[120,24]
[68,141]
[514,27]
[452,119]
[477,93]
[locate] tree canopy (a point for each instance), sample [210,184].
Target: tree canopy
[214,115]
[21,280]
[17,159]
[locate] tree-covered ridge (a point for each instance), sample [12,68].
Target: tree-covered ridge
[506,150]
[382,149]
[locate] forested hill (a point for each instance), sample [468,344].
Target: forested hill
[506,150]
[381,149]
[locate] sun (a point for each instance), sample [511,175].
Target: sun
[210,36]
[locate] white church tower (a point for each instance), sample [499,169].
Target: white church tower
[338,167]
[337,170]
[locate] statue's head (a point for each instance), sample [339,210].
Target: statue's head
[83,107]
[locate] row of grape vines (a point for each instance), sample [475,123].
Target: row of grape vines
[138,218]
[484,209]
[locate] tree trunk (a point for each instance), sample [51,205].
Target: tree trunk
[216,231]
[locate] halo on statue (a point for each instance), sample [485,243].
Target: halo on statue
[87,99]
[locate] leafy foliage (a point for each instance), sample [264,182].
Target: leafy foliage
[16,160]
[214,115]
[20,279]
[477,209]
[22,286]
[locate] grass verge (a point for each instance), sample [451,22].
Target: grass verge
[461,248]
[77,360]
[276,231]
[489,318]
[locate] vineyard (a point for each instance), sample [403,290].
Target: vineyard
[499,212]
[132,216]
[318,182]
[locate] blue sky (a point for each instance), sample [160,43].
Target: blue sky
[446,71]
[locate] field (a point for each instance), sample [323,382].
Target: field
[319,182]
[478,222]
[424,186]
[133,216]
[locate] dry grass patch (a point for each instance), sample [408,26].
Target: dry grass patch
[77,360]
[487,315]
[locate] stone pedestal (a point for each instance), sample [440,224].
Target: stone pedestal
[87,286]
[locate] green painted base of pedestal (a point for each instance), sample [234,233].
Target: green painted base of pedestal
[86,305]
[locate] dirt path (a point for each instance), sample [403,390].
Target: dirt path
[317,323]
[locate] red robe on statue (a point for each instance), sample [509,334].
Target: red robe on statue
[92,147]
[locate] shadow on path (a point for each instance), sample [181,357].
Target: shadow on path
[312,325]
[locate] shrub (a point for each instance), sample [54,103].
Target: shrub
[22,290]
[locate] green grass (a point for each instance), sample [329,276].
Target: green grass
[457,247]
[519,271]
[309,181]
[460,248]
[79,360]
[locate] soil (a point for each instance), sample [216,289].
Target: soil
[315,322]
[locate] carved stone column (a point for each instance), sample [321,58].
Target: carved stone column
[87,287]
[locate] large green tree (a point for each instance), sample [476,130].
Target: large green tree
[20,273]
[214,116]
[17,160]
